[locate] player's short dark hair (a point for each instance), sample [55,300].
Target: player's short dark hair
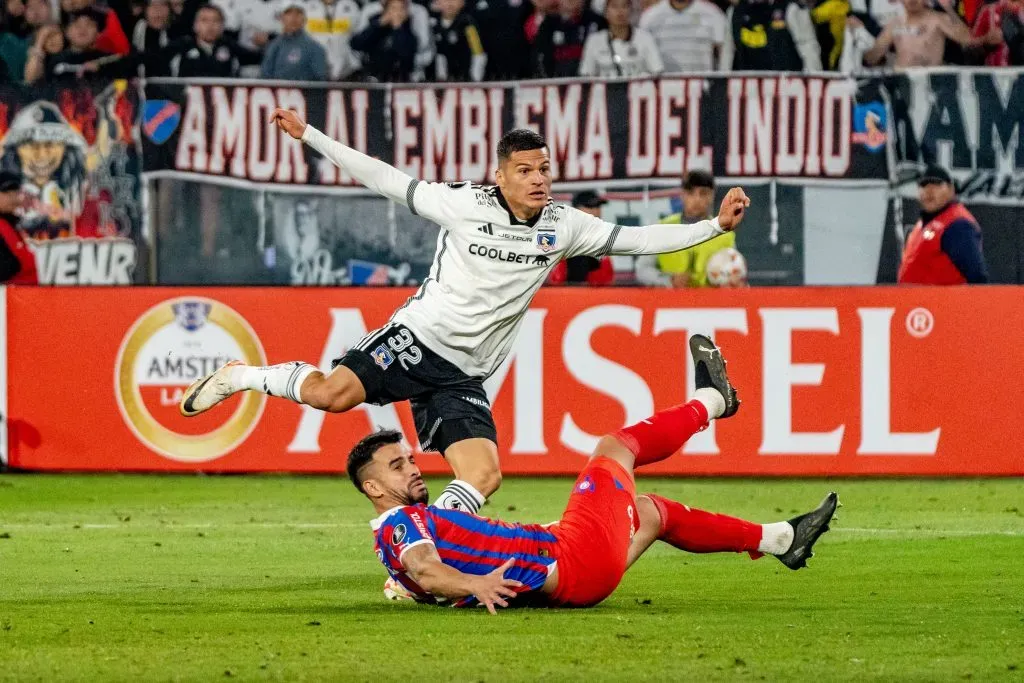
[698,178]
[519,140]
[362,453]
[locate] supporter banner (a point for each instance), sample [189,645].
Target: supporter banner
[742,126]
[77,150]
[834,381]
[969,120]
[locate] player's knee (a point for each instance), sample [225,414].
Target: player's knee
[610,446]
[649,516]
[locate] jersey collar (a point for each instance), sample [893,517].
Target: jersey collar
[511,216]
[379,521]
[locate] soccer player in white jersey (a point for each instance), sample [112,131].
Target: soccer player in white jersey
[494,251]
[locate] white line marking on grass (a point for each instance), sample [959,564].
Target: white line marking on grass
[910,533]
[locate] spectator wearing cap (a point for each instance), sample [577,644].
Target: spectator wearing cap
[294,55]
[687,267]
[111,37]
[207,54]
[17,262]
[944,248]
[585,270]
[620,51]
[1000,26]
[151,38]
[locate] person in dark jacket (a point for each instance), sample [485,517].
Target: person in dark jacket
[83,58]
[460,54]
[17,262]
[388,44]
[207,53]
[770,35]
[944,248]
[558,47]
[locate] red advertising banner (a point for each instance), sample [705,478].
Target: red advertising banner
[873,381]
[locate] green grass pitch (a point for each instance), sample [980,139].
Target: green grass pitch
[126,578]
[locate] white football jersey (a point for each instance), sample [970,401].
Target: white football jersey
[488,264]
[487,267]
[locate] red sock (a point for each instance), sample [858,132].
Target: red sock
[697,531]
[663,433]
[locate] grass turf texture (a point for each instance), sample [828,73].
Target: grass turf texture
[199,578]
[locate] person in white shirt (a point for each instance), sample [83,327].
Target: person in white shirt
[496,247]
[621,51]
[689,34]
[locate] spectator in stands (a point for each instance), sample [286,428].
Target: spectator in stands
[112,38]
[829,20]
[419,24]
[585,270]
[541,10]
[770,35]
[689,34]
[49,41]
[460,54]
[17,262]
[183,18]
[82,57]
[388,44]
[502,25]
[1000,26]
[621,51]
[13,19]
[151,38]
[687,267]
[944,248]
[207,54]
[251,23]
[920,37]
[333,23]
[294,55]
[14,48]
[558,47]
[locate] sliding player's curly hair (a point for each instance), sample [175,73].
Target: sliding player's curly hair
[361,454]
[518,140]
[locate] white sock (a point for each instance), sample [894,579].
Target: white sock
[282,380]
[776,538]
[459,495]
[712,400]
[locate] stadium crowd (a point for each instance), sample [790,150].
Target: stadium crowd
[474,40]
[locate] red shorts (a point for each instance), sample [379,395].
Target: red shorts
[594,534]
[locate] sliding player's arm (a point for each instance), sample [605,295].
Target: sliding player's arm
[595,237]
[424,565]
[435,201]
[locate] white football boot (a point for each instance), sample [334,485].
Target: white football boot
[208,391]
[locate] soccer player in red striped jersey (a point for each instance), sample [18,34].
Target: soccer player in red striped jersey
[455,557]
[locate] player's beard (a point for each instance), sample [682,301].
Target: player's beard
[415,493]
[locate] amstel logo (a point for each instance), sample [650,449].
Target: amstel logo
[169,347]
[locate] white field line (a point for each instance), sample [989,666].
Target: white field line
[911,533]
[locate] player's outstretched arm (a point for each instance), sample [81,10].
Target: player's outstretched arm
[436,201]
[376,175]
[595,237]
[663,238]
[425,567]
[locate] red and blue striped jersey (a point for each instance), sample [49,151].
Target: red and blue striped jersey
[471,544]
